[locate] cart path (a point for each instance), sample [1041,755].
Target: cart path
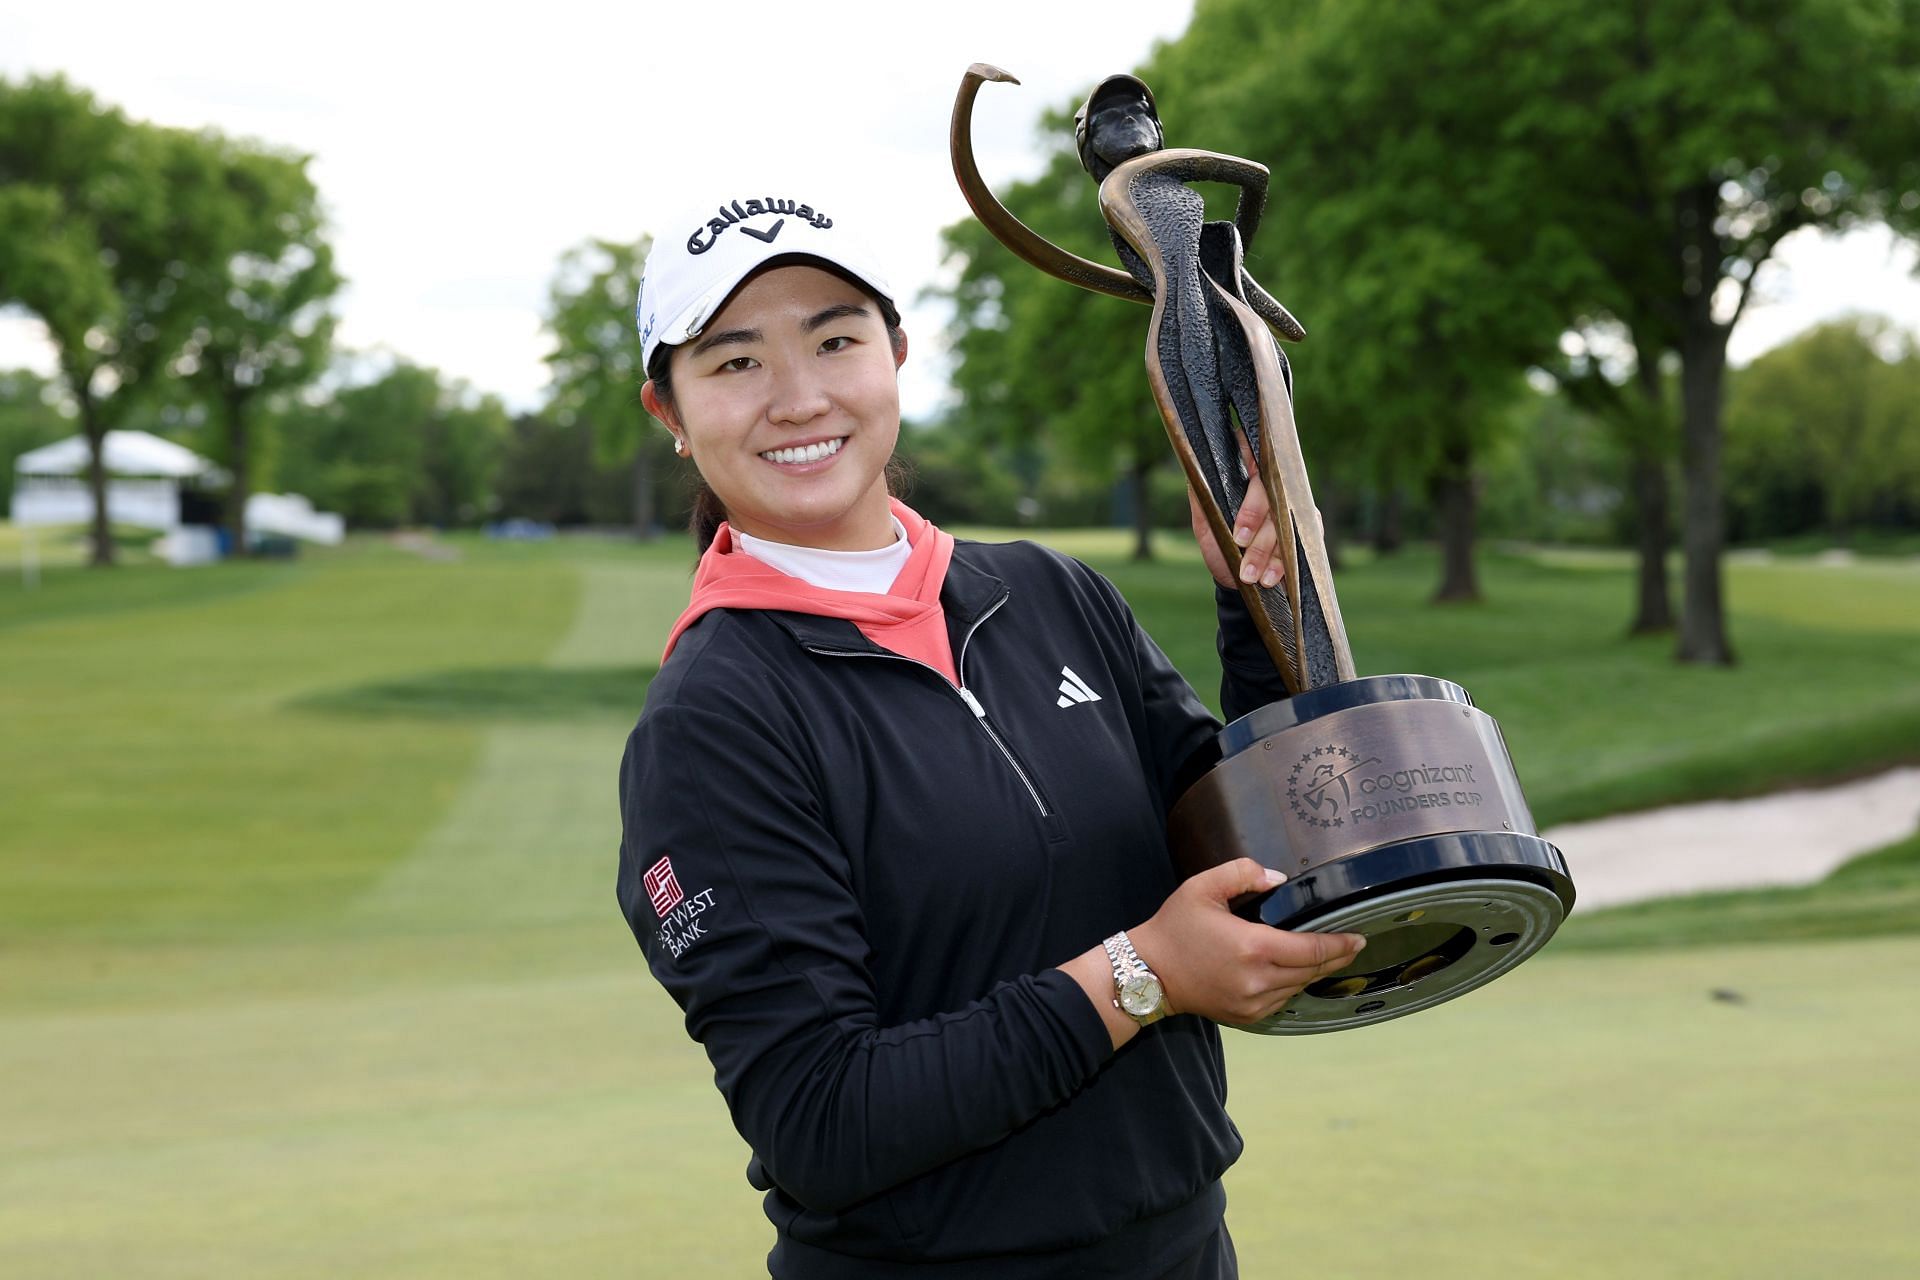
[1790,837]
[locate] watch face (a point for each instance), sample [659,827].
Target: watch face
[1140,995]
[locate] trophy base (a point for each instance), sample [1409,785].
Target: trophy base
[1441,915]
[1394,809]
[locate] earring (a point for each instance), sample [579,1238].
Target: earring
[679,446]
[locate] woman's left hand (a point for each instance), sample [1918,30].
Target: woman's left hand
[1254,531]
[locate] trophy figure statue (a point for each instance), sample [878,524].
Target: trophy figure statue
[1390,802]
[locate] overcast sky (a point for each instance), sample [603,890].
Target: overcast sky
[460,153]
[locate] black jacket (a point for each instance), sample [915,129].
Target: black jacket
[856,879]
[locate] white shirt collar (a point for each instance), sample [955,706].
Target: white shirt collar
[869,571]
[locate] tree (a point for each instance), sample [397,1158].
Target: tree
[1687,140]
[596,363]
[549,472]
[1557,476]
[1604,372]
[31,415]
[404,447]
[1424,296]
[261,320]
[461,443]
[953,481]
[1823,433]
[149,252]
[89,243]
[359,450]
[546,471]
[1629,168]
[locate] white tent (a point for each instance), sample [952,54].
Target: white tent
[144,474]
[144,477]
[126,453]
[293,516]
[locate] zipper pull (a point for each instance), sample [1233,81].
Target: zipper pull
[973,703]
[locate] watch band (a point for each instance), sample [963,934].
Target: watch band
[1129,967]
[1122,963]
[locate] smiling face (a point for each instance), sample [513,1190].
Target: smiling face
[789,403]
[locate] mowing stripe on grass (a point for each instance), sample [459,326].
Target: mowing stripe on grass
[624,615]
[533,836]
[531,839]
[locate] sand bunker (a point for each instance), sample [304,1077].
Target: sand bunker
[1791,837]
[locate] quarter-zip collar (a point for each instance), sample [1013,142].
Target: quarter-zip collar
[909,620]
[984,594]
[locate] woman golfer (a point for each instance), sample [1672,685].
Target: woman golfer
[894,817]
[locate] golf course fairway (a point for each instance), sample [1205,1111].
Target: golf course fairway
[310,963]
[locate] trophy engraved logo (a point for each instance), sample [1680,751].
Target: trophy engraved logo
[1319,775]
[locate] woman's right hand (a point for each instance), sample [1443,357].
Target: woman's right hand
[1213,963]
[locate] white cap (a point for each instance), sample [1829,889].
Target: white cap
[701,258]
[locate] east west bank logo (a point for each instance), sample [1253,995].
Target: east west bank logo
[736,214]
[677,909]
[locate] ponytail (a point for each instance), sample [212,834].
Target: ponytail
[704,523]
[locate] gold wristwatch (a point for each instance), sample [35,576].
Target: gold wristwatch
[1136,990]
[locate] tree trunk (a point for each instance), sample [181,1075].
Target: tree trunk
[1389,525]
[240,464]
[1652,493]
[1141,471]
[102,528]
[1703,362]
[1651,498]
[1703,624]
[1454,499]
[645,520]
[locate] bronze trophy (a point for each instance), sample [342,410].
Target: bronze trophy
[1390,802]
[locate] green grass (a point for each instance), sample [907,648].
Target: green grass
[67,592]
[170,787]
[1864,542]
[310,965]
[504,693]
[1598,1116]
[1827,684]
[70,544]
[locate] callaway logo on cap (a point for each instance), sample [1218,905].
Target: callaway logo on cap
[703,256]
